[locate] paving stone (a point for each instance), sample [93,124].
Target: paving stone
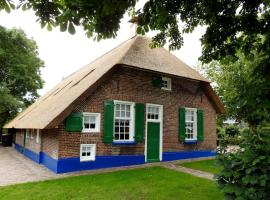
[193,172]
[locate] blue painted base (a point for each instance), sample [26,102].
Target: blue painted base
[169,156]
[28,153]
[73,164]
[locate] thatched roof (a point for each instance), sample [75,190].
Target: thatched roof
[134,52]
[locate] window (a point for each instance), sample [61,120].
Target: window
[166,83]
[88,152]
[32,133]
[123,121]
[191,124]
[91,122]
[27,133]
[37,136]
[153,113]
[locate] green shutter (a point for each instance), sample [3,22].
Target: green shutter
[182,124]
[139,122]
[73,123]
[157,81]
[200,125]
[108,121]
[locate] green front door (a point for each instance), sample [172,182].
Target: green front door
[153,143]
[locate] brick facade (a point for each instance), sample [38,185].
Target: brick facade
[128,84]
[30,142]
[136,86]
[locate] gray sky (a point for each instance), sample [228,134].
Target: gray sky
[64,53]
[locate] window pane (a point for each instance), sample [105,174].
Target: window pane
[128,114]
[83,153]
[92,119]
[92,126]
[86,125]
[123,113]
[117,107]
[122,137]
[86,118]
[127,107]
[122,129]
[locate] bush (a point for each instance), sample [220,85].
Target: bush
[235,140]
[220,133]
[232,130]
[246,173]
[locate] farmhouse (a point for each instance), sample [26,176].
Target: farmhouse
[130,106]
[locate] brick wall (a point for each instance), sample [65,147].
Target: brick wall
[30,142]
[19,137]
[49,138]
[132,85]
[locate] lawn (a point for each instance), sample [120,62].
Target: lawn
[203,165]
[145,183]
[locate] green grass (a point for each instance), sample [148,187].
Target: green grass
[145,183]
[203,165]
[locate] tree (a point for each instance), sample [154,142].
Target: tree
[244,87]
[231,25]
[19,73]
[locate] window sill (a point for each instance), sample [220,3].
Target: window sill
[191,142]
[90,160]
[90,131]
[124,143]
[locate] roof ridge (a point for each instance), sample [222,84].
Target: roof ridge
[99,57]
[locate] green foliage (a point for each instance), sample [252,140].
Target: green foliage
[220,132]
[246,173]
[232,130]
[243,85]
[224,20]
[19,72]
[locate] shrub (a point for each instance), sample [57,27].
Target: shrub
[246,173]
[232,130]
[220,132]
[235,140]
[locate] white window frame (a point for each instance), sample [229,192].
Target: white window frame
[194,125]
[93,152]
[169,83]
[131,123]
[32,131]
[159,112]
[27,133]
[97,127]
[37,136]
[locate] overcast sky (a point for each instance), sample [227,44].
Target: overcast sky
[64,53]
